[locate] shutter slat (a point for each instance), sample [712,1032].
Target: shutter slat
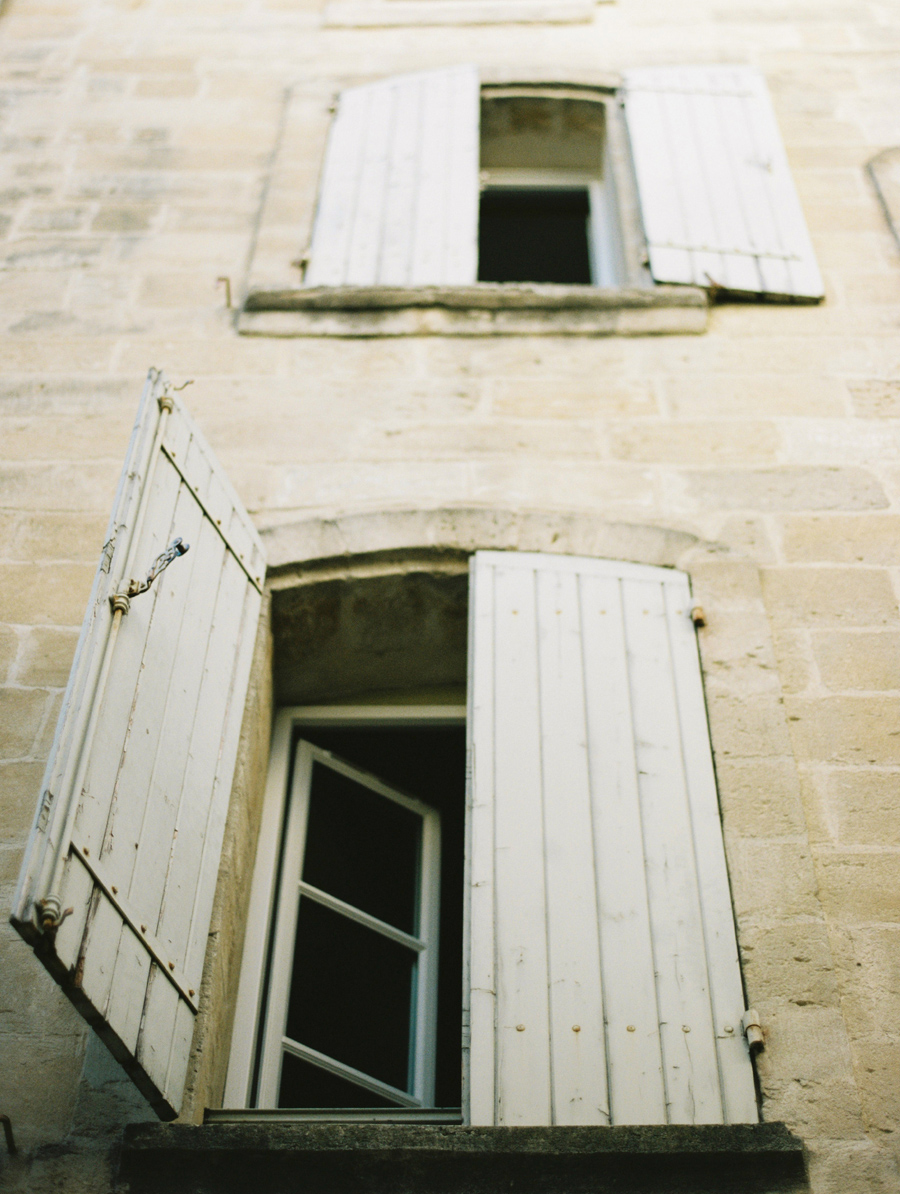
[726,991]
[369,219]
[718,202]
[577,1044]
[338,192]
[592,788]
[523,1071]
[398,199]
[143,763]
[637,1092]
[479,984]
[682,985]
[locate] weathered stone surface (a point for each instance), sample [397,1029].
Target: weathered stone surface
[830,596]
[787,489]
[344,1157]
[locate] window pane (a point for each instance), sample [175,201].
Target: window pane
[351,994]
[362,848]
[305,1085]
[533,235]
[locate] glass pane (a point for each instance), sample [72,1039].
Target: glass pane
[534,236]
[351,994]
[305,1085]
[362,848]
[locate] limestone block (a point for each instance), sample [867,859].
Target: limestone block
[867,958]
[52,535]
[845,729]
[692,443]
[21,788]
[773,879]
[789,961]
[830,596]
[576,398]
[877,1064]
[875,399]
[806,1071]
[787,488]
[46,656]
[747,728]
[864,660]
[842,539]
[726,584]
[123,219]
[22,712]
[45,593]
[747,537]
[837,1167]
[759,797]
[9,645]
[59,437]
[796,667]
[860,886]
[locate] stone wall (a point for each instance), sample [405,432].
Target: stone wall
[139,138]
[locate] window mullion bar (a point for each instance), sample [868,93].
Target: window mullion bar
[357,1077]
[363,918]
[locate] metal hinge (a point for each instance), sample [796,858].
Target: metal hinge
[753,1030]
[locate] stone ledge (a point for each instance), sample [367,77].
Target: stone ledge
[380,1158]
[484,309]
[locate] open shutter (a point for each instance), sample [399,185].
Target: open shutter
[603,978]
[129,826]
[717,198]
[398,199]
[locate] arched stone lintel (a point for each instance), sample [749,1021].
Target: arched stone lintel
[445,537]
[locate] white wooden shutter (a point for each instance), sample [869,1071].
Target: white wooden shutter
[129,826]
[398,199]
[603,973]
[717,198]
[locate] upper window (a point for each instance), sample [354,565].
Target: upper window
[547,211]
[430,180]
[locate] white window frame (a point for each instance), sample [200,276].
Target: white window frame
[604,248]
[249,1034]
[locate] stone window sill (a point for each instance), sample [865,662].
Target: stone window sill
[420,1159]
[484,309]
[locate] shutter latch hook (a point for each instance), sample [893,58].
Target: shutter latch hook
[120,601]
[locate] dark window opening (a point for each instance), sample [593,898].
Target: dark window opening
[350,992]
[534,235]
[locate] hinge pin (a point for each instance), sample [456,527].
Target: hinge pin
[753,1030]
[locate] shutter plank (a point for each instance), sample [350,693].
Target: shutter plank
[338,192]
[121,770]
[395,262]
[398,200]
[691,1069]
[637,1090]
[577,1058]
[706,146]
[479,982]
[726,991]
[520,908]
[661,201]
[464,157]
[372,184]
[213,748]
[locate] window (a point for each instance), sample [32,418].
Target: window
[548,210]
[599,960]
[363,1002]
[682,170]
